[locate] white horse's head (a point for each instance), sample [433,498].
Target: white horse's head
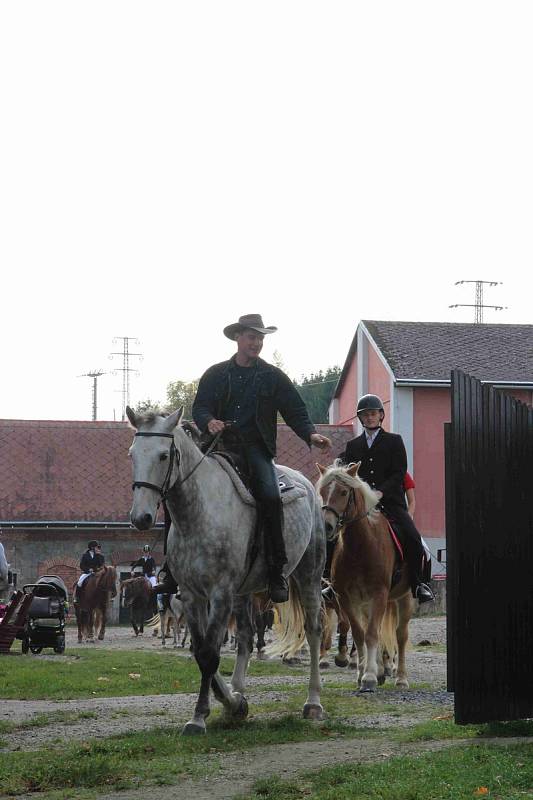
[155,461]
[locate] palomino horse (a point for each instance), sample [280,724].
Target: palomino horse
[362,573]
[91,603]
[212,554]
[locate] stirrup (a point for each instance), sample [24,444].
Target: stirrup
[423,593]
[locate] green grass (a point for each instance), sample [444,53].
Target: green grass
[108,673]
[495,772]
[445,728]
[159,755]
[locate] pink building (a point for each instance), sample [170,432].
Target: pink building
[408,364]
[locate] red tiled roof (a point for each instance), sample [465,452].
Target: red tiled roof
[79,471]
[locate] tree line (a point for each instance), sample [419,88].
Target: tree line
[315,389]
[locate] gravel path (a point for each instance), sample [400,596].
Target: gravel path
[116,715]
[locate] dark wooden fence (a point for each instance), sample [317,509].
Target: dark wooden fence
[489,532]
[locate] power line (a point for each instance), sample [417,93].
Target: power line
[95,374]
[125,369]
[478,305]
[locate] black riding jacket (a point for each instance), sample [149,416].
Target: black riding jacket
[383,465]
[90,563]
[148,565]
[274,392]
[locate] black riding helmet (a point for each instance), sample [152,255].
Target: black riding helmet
[92,544]
[369,402]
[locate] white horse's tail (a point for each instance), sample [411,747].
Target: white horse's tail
[290,629]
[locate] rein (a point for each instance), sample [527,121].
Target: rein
[174,456]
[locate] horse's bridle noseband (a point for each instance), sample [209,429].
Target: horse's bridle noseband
[342,521]
[174,456]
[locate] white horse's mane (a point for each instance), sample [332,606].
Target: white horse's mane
[339,472]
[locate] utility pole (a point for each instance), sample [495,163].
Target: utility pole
[125,369]
[478,305]
[95,374]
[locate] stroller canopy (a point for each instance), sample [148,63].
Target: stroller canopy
[50,585]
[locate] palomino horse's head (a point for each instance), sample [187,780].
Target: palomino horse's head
[155,463]
[345,497]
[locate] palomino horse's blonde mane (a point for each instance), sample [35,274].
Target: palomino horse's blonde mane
[339,472]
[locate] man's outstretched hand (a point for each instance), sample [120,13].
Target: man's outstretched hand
[322,442]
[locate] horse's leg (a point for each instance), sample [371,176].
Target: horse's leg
[242,608]
[327,636]
[207,633]
[79,612]
[369,680]
[260,628]
[162,625]
[307,578]
[405,609]
[234,702]
[358,636]
[103,616]
[97,622]
[341,659]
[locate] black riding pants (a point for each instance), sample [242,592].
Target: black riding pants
[265,489]
[412,542]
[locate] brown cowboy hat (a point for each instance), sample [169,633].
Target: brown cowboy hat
[252,321]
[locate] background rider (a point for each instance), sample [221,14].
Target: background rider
[383,466]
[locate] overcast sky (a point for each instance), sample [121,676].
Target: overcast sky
[168,166]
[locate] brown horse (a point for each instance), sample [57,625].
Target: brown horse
[91,601]
[363,571]
[137,596]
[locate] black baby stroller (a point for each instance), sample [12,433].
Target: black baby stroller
[45,626]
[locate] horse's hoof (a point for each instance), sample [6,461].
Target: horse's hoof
[340,662]
[323,665]
[193,729]
[262,656]
[353,665]
[381,680]
[313,711]
[241,712]
[100,638]
[402,683]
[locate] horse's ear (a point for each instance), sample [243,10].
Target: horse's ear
[173,419]
[130,413]
[320,468]
[353,469]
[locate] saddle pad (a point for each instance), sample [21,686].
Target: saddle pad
[289,491]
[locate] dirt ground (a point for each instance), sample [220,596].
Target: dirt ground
[126,714]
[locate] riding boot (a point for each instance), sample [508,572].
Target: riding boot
[423,593]
[276,556]
[169,585]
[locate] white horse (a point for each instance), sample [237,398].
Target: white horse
[213,554]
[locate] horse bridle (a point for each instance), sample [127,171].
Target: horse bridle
[341,518]
[174,457]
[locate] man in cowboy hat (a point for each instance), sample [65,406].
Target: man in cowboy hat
[249,393]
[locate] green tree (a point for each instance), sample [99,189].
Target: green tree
[146,405]
[317,390]
[181,393]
